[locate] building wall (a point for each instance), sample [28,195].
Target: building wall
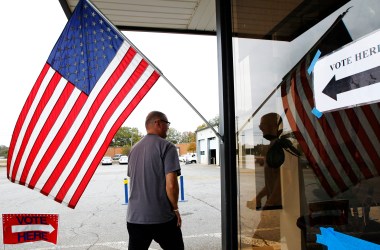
[182,148]
[111,151]
[207,146]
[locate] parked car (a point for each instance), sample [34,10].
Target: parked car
[123,159]
[107,160]
[182,158]
[188,158]
[191,158]
[116,157]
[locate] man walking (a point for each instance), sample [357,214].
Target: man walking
[153,168]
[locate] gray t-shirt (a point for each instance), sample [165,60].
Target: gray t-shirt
[148,163]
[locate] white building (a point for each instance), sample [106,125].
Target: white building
[207,146]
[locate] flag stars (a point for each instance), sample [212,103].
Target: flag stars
[86,51]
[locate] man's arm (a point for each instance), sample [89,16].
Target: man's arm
[172,191]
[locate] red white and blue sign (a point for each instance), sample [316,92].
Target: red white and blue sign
[21,228]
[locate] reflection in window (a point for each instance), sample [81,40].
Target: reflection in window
[329,177]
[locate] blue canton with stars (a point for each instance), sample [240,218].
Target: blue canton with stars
[85,48]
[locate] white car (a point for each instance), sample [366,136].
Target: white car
[182,158]
[107,160]
[191,158]
[123,159]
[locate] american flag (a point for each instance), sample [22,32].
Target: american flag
[342,147]
[91,82]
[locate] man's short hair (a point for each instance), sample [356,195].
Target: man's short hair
[152,116]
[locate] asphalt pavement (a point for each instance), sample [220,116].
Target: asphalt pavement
[99,220]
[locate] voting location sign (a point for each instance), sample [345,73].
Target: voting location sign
[349,76]
[21,228]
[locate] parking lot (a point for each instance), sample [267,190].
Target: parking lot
[99,220]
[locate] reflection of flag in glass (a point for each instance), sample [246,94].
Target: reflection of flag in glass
[92,81]
[342,147]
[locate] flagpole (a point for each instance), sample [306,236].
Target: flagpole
[191,105]
[157,69]
[339,18]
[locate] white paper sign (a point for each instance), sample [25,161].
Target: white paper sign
[349,76]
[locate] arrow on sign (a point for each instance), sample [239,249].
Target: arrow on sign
[32,227]
[362,79]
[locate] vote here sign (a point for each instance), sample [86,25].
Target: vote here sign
[349,76]
[21,228]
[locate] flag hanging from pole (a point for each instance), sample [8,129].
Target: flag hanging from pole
[342,147]
[91,82]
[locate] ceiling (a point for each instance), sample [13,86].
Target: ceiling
[263,19]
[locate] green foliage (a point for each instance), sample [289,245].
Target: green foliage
[126,136]
[173,136]
[126,150]
[188,137]
[4,151]
[213,122]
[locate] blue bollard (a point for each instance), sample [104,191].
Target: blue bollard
[182,189]
[126,191]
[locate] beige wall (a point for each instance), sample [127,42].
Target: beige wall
[111,151]
[182,148]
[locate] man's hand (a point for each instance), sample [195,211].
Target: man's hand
[179,219]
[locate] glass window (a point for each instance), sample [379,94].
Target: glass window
[300,168]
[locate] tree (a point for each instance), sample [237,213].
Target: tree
[213,122]
[126,136]
[4,151]
[187,137]
[126,149]
[174,136]
[192,147]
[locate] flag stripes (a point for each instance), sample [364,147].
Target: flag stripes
[342,147]
[86,178]
[63,132]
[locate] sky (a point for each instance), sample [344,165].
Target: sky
[189,62]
